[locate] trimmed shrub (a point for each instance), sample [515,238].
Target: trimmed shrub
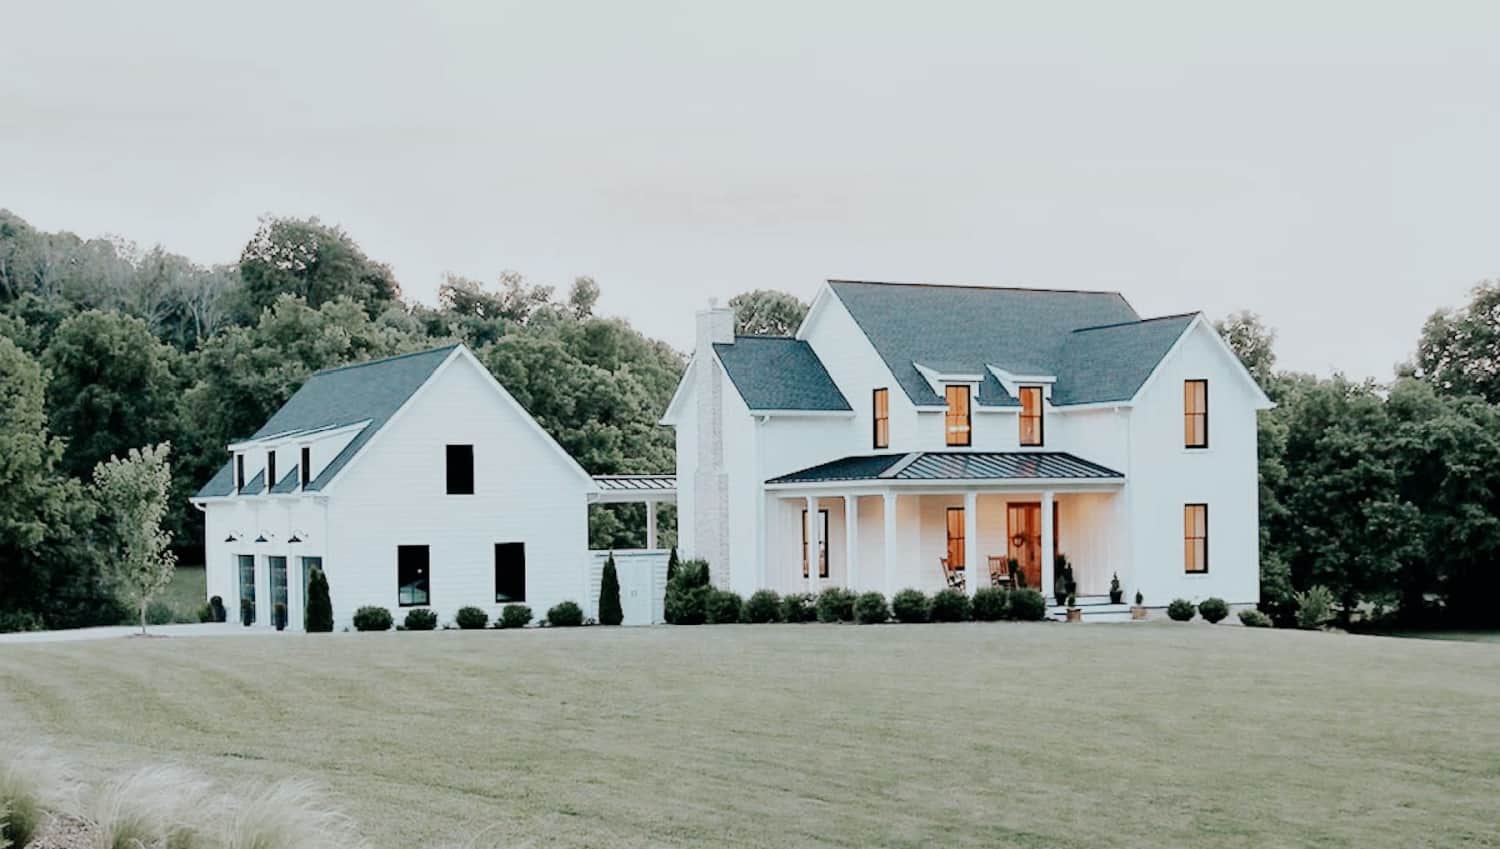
[279,615]
[672,564]
[836,604]
[687,594]
[910,605]
[421,619]
[1252,618]
[471,618]
[372,619]
[723,607]
[989,604]
[160,613]
[1026,606]
[247,612]
[870,609]
[206,613]
[609,595]
[1314,607]
[514,616]
[565,614]
[798,607]
[318,618]
[1213,609]
[950,605]
[1181,610]
[763,606]
[220,614]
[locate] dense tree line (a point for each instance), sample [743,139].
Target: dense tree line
[106,348]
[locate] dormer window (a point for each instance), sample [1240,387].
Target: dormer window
[882,416]
[270,470]
[957,420]
[304,469]
[239,473]
[1031,415]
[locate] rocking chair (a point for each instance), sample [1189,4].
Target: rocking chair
[953,576]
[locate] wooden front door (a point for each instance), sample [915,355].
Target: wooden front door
[1024,532]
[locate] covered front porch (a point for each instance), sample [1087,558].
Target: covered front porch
[958,525]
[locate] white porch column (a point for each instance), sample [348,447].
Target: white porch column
[971,542]
[851,542]
[651,524]
[889,515]
[1047,552]
[811,527]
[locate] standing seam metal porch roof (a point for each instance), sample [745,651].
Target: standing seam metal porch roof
[954,466]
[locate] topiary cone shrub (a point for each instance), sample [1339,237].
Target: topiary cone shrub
[318,618]
[609,594]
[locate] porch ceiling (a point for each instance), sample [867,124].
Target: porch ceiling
[1020,467]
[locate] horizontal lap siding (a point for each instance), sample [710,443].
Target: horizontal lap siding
[395,495]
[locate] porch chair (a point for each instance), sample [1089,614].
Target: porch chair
[953,577]
[999,571]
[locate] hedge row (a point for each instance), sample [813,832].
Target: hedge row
[691,601]
[468,618]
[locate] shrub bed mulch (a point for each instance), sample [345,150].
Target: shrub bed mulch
[62,832]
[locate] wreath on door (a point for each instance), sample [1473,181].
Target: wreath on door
[1018,540]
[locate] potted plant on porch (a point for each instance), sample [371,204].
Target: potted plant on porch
[1063,584]
[1116,592]
[1075,613]
[1138,611]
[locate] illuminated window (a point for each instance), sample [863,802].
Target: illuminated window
[1195,413]
[959,426]
[1195,538]
[882,418]
[1031,415]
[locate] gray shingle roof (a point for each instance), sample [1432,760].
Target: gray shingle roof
[954,466]
[1024,331]
[779,373]
[371,391]
[288,483]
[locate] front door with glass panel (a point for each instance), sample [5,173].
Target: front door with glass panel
[246,563]
[278,591]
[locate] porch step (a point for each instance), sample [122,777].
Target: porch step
[1099,610]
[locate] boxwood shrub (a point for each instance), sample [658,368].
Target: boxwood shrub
[870,609]
[798,607]
[1181,610]
[763,606]
[421,619]
[372,619]
[471,618]
[836,604]
[910,605]
[1213,609]
[723,607]
[1026,606]
[950,605]
[989,604]
[565,614]
[1252,618]
[687,594]
[514,616]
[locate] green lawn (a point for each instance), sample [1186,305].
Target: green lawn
[944,735]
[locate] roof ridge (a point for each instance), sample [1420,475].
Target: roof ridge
[348,366]
[1137,321]
[983,287]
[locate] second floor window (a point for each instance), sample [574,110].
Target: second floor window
[1195,413]
[460,470]
[306,465]
[957,420]
[271,470]
[1031,415]
[239,473]
[882,412]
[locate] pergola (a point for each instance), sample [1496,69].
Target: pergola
[650,490]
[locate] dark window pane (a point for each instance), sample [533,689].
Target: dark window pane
[510,571]
[247,582]
[306,465]
[412,578]
[460,470]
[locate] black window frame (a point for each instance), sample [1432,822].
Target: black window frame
[455,483]
[507,598]
[822,543]
[306,466]
[877,439]
[1041,417]
[426,567]
[1186,414]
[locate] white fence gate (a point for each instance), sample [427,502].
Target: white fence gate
[643,584]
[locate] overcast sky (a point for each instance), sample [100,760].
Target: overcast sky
[1333,167]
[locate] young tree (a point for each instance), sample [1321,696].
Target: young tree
[132,493]
[319,615]
[609,595]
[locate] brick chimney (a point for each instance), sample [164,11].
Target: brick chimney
[711,480]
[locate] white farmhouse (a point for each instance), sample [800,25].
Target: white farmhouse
[925,436]
[413,481]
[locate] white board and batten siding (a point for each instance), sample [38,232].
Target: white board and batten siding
[643,584]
